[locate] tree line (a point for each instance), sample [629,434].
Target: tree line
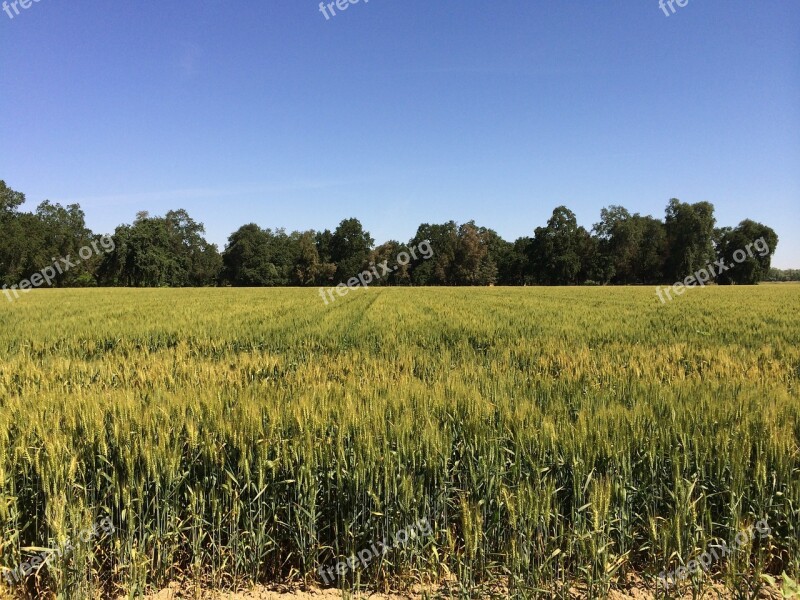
[783,275]
[171,250]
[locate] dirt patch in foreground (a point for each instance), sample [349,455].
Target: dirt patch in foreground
[262,593]
[176,592]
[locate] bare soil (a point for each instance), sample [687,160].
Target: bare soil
[633,591]
[262,593]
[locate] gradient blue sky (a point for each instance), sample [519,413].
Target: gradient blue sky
[400,112]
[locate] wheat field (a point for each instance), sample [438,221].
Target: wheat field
[554,438]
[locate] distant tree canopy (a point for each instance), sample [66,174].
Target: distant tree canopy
[160,251]
[783,275]
[622,248]
[745,269]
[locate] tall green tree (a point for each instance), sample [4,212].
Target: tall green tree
[66,235]
[388,253]
[350,246]
[513,261]
[32,242]
[199,263]
[14,241]
[651,260]
[558,249]
[10,201]
[747,251]
[151,259]
[248,259]
[440,268]
[161,251]
[690,238]
[632,248]
[309,267]
[473,263]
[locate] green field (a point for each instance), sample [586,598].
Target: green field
[553,437]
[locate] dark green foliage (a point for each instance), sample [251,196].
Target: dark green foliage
[623,248]
[161,251]
[350,246]
[690,238]
[558,251]
[783,275]
[748,249]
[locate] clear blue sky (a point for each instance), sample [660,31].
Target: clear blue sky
[400,112]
